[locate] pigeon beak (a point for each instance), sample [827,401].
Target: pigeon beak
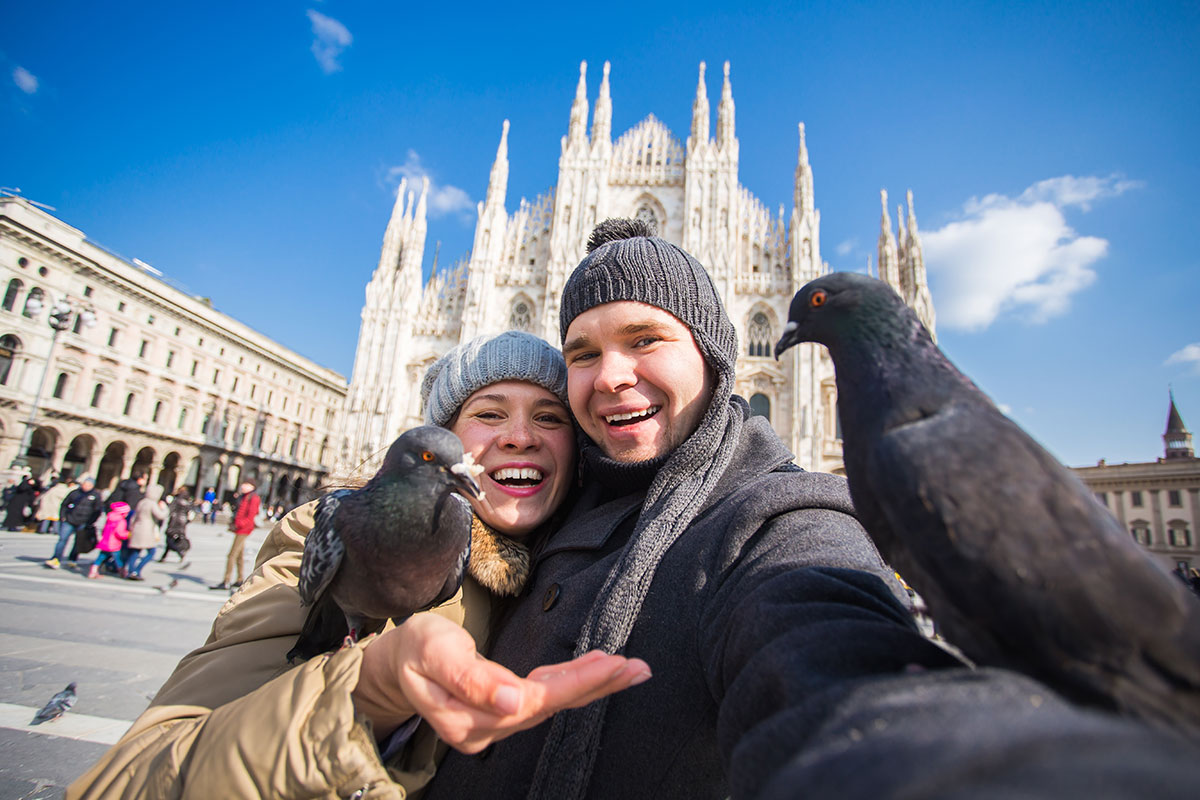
[789,339]
[464,478]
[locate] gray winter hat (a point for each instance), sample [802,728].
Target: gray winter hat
[484,360]
[626,261]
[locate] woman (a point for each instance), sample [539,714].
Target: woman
[144,531]
[177,522]
[235,720]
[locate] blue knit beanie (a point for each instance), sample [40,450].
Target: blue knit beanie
[484,360]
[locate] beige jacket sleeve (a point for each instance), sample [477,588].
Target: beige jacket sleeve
[236,720]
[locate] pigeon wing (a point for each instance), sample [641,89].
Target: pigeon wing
[323,549]
[456,517]
[1016,559]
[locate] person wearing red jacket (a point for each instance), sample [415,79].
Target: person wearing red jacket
[248,504]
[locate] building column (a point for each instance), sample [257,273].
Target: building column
[1156,516]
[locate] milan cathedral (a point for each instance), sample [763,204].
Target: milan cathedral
[514,275]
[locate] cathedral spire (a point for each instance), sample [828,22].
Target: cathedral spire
[602,116]
[889,271]
[700,113]
[804,179]
[393,237]
[577,129]
[725,133]
[1177,437]
[498,180]
[418,223]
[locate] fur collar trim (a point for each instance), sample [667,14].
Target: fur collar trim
[498,563]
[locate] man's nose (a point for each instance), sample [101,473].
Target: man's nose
[615,372]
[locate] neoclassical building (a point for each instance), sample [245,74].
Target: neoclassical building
[1158,502]
[519,261]
[158,380]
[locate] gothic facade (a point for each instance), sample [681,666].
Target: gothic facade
[519,262]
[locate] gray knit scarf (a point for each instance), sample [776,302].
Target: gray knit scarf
[676,495]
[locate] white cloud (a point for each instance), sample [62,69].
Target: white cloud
[1017,254]
[25,80]
[1190,354]
[846,247]
[331,39]
[442,198]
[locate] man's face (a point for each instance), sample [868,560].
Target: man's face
[636,380]
[141,481]
[246,488]
[87,486]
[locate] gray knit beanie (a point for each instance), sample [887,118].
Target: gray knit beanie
[643,268]
[627,262]
[484,360]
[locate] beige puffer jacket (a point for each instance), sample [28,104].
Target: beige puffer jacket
[236,720]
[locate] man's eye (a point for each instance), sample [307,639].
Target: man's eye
[646,341]
[581,357]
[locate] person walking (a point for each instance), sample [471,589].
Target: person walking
[208,506]
[177,521]
[112,538]
[49,503]
[244,518]
[144,531]
[79,511]
[20,504]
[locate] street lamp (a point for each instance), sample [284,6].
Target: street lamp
[61,316]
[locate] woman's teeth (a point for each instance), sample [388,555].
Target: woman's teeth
[522,476]
[632,416]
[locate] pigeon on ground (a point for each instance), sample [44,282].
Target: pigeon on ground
[394,547]
[1019,564]
[57,706]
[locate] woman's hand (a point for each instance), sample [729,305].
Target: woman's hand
[429,666]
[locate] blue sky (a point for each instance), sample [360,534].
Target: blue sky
[250,151]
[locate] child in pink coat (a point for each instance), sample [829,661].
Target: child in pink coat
[116,531]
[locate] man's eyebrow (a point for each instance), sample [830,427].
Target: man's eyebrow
[578,343]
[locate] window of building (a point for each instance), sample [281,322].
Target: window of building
[1135,499]
[78,326]
[120,306]
[1178,534]
[142,348]
[253,388]
[170,358]
[195,366]
[158,407]
[176,331]
[97,395]
[233,388]
[60,385]
[10,296]
[1174,498]
[128,404]
[87,291]
[200,341]
[150,320]
[760,405]
[34,301]
[182,418]
[521,317]
[9,345]
[1140,529]
[1102,497]
[216,375]
[112,337]
[761,339]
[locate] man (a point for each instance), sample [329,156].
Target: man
[49,502]
[784,662]
[244,520]
[79,510]
[208,506]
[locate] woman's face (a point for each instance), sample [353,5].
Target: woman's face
[522,436]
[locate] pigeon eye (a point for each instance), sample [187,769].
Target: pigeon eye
[818,299]
[427,455]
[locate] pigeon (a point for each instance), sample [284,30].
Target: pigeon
[57,706]
[1019,564]
[396,546]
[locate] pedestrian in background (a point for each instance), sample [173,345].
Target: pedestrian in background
[78,513]
[177,522]
[208,505]
[112,538]
[49,503]
[20,504]
[144,531]
[242,526]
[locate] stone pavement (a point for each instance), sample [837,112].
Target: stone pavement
[118,640]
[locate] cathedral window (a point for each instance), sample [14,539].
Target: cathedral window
[646,214]
[760,405]
[521,316]
[760,336]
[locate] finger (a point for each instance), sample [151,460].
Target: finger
[579,682]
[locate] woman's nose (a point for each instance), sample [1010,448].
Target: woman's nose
[518,435]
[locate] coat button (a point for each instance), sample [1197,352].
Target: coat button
[551,596]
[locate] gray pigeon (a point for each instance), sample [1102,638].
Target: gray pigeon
[396,546]
[1019,564]
[57,706]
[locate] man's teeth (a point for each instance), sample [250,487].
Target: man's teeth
[517,474]
[652,410]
